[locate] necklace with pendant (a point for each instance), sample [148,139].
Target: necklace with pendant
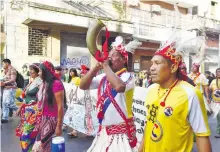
[162,103]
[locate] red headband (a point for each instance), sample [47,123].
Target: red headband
[168,53]
[50,68]
[121,49]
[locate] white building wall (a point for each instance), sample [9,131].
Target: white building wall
[17,33]
[16,46]
[212,12]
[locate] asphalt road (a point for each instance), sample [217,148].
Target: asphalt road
[10,143]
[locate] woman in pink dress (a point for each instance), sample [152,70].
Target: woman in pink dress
[52,100]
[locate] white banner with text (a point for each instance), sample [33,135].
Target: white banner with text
[81,112]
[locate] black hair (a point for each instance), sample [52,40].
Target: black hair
[49,78]
[180,75]
[217,69]
[207,72]
[75,74]
[35,67]
[58,68]
[6,61]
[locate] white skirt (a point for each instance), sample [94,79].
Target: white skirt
[215,107]
[207,105]
[114,143]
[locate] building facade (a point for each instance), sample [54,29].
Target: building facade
[55,30]
[154,22]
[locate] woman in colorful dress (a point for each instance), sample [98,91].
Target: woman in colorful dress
[28,111]
[52,99]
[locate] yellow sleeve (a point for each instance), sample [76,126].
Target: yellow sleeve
[212,85]
[77,81]
[198,116]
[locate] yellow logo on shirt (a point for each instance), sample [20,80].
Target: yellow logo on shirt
[157,132]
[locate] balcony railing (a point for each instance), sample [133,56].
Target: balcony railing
[181,3]
[147,24]
[211,24]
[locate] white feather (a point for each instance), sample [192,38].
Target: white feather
[177,16]
[185,45]
[118,41]
[131,46]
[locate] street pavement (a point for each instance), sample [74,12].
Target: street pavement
[10,143]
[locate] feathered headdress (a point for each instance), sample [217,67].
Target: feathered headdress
[180,45]
[119,46]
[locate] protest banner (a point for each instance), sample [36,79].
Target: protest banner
[139,111]
[81,112]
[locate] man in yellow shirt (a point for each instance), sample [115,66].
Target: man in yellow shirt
[175,109]
[215,104]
